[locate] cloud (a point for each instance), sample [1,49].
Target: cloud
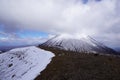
[7,39]
[93,17]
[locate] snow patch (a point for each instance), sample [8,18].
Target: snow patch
[23,63]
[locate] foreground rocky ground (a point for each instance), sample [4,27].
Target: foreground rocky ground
[75,66]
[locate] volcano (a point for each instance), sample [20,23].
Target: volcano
[81,44]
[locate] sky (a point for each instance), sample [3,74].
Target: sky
[26,22]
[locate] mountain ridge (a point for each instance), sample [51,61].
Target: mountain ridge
[24,63]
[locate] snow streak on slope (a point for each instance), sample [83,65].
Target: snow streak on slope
[23,63]
[77,43]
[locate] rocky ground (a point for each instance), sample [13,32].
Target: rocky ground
[68,65]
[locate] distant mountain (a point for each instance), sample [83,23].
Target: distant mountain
[23,63]
[85,44]
[7,48]
[0,51]
[117,49]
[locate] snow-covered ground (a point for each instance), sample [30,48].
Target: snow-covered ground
[23,63]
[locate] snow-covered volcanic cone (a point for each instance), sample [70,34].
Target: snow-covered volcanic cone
[78,43]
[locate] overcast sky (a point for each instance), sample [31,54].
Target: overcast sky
[32,21]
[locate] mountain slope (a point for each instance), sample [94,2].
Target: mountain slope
[23,63]
[84,44]
[82,67]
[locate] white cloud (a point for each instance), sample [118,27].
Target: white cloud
[62,16]
[21,41]
[7,39]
